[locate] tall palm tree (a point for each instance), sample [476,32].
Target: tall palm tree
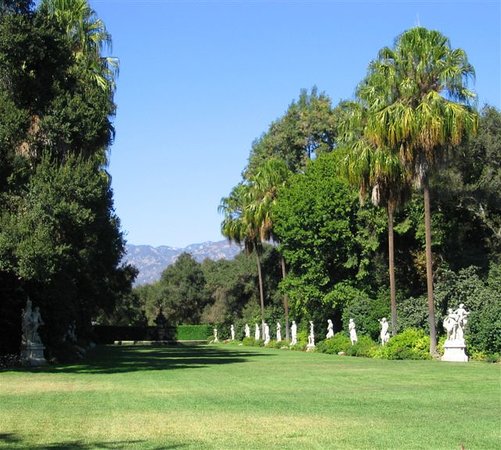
[374,170]
[240,225]
[264,185]
[424,110]
[88,37]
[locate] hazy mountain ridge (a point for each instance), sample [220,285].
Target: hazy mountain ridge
[151,261]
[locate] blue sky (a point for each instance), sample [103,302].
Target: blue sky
[200,80]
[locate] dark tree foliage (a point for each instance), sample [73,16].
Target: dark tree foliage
[60,239]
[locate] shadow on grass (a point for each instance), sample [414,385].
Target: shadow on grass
[119,359]
[12,440]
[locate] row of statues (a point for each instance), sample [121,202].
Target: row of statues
[454,324]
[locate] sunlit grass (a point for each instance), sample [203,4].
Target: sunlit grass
[238,397]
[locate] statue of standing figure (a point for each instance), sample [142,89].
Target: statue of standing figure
[31,321]
[215,335]
[293,333]
[311,336]
[330,329]
[353,332]
[267,337]
[384,335]
[232,331]
[247,330]
[279,332]
[257,333]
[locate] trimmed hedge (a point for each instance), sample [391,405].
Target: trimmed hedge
[194,332]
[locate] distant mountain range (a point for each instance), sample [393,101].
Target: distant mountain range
[151,261]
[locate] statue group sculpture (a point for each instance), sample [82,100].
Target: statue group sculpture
[31,344]
[454,325]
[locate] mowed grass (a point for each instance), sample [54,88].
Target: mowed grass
[233,397]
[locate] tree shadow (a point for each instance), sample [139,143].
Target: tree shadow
[12,440]
[110,359]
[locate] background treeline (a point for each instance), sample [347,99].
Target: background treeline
[60,239]
[335,248]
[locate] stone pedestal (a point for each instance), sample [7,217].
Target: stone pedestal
[454,351]
[32,355]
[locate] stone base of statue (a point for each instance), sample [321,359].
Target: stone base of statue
[454,351]
[32,355]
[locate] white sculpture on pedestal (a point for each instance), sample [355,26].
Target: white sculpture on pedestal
[455,324]
[257,333]
[311,337]
[353,332]
[31,344]
[247,330]
[384,335]
[293,333]
[215,335]
[330,329]
[279,332]
[232,331]
[266,334]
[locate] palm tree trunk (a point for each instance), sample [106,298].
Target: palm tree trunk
[391,269]
[429,270]
[286,302]
[261,291]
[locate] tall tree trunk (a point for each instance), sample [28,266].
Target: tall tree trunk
[391,269]
[429,270]
[286,302]
[261,291]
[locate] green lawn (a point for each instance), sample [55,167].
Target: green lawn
[229,396]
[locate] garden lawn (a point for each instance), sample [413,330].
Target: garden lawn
[228,396]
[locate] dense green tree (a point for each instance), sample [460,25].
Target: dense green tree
[308,128]
[60,240]
[318,222]
[182,294]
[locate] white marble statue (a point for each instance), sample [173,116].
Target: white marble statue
[450,324]
[279,332]
[232,331]
[454,324]
[353,332]
[266,334]
[293,333]
[330,329]
[462,320]
[384,335]
[247,330]
[215,335]
[311,336]
[257,333]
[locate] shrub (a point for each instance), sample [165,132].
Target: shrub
[366,313]
[338,343]
[251,342]
[194,332]
[364,347]
[410,344]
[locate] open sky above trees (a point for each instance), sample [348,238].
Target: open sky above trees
[199,81]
